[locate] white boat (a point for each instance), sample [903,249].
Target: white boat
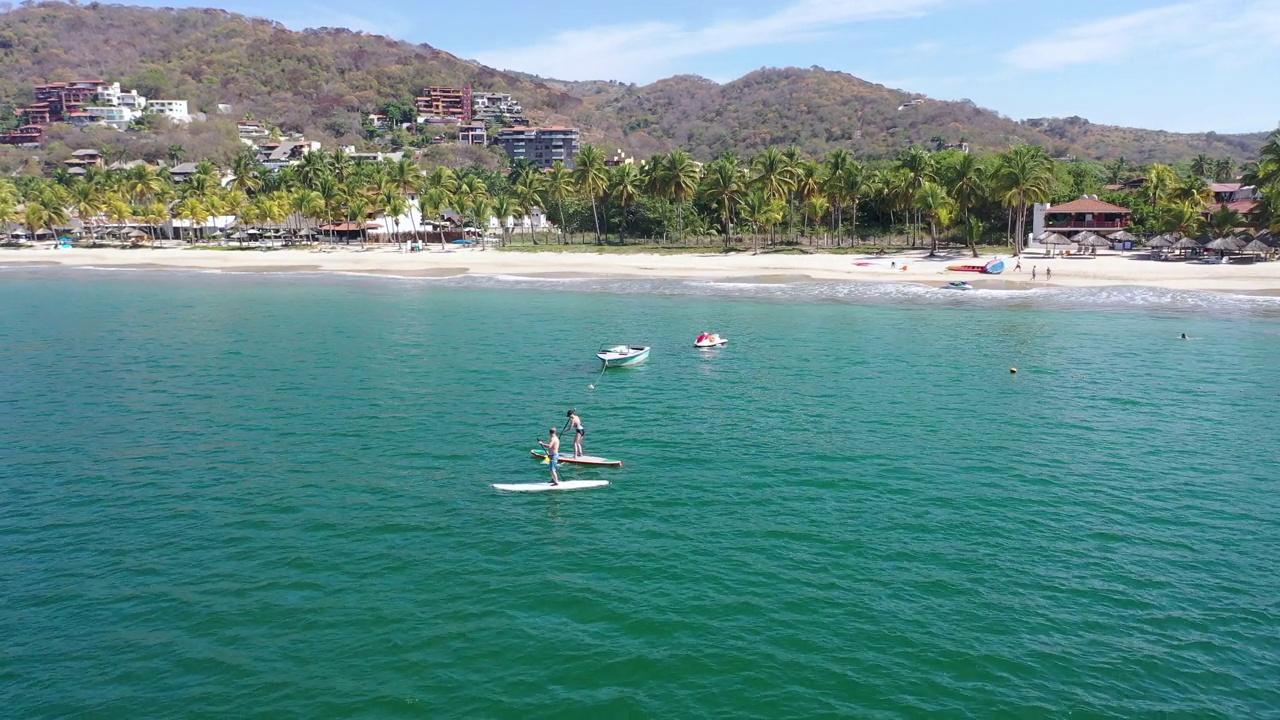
[622,355]
[959,285]
[711,341]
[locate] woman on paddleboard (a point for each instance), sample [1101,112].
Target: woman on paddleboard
[578,431]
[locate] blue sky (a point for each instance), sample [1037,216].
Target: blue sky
[1192,66]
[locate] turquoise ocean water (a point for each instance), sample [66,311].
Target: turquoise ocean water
[269,496]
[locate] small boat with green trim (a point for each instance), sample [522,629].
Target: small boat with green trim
[622,355]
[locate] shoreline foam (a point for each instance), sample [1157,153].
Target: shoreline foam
[1261,279]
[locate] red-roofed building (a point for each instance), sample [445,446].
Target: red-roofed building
[1247,208]
[1084,213]
[25,135]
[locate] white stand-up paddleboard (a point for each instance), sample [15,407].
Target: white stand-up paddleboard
[545,486]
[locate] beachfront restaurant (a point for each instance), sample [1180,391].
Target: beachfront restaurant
[1086,213]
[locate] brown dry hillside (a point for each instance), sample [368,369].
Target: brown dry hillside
[318,81]
[819,110]
[322,82]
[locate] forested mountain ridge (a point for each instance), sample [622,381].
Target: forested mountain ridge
[323,82]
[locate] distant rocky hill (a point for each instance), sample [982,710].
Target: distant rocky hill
[322,82]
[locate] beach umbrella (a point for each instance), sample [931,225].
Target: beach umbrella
[1186,243]
[1049,238]
[1122,236]
[1224,243]
[1094,241]
[1160,241]
[1256,247]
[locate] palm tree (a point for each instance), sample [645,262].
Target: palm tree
[1180,218]
[1024,177]
[763,212]
[529,188]
[919,166]
[559,185]
[772,174]
[306,204]
[480,209]
[723,188]
[1266,174]
[394,205]
[141,183]
[1224,220]
[682,177]
[505,208]
[815,208]
[589,175]
[313,166]
[807,185]
[358,214]
[932,201]
[973,233]
[44,212]
[87,202]
[1161,180]
[1202,166]
[1223,169]
[431,203]
[966,182]
[852,184]
[1116,171]
[625,188]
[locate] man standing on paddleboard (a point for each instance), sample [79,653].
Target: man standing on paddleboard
[553,454]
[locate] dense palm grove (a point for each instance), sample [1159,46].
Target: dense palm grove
[778,197]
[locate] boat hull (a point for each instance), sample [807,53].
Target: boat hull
[614,360]
[708,345]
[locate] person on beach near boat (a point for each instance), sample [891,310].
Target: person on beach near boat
[575,422]
[553,455]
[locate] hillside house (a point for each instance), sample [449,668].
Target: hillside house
[494,108]
[473,133]
[252,129]
[25,135]
[85,159]
[175,110]
[276,155]
[439,103]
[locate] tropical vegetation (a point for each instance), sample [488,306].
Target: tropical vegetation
[778,198]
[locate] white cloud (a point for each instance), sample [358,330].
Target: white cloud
[645,51]
[1234,31]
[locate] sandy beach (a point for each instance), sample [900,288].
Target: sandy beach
[1105,270]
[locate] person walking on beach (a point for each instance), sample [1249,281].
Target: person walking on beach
[553,454]
[575,422]
[1048,274]
[1018,266]
[1033,272]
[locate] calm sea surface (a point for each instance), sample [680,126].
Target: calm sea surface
[245,495]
